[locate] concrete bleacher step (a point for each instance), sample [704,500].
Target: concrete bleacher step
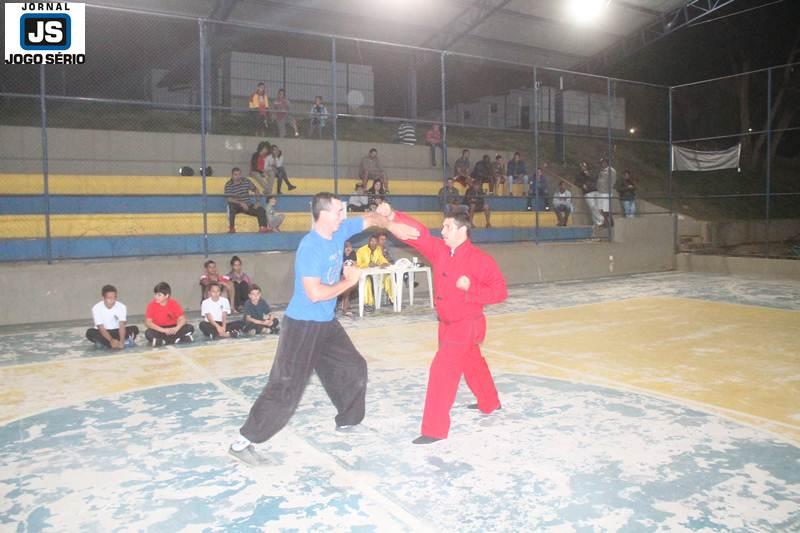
[82,184]
[140,224]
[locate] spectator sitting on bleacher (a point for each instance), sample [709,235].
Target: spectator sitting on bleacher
[212,276]
[274,219]
[499,174]
[259,109]
[109,318]
[241,282]
[358,202]
[165,320]
[483,173]
[215,310]
[258,316]
[282,114]
[276,169]
[406,134]
[461,168]
[434,139]
[538,189]
[562,203]
[258,167]
[515,171]
[377,194]
[588,186]
[450,199]
[370,169]
[237,194]
[371,255]
[318,116]
[475,201]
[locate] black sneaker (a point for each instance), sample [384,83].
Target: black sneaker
[424,439]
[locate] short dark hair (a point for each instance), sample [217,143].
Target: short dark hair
[517,153]
[235,169]
[275,146]
[317,97]
[381,233]
[270,197]
[259,84]
[322,201]
[281,90]
[108,288]
[464,151]
[209,262]
[214,284]
[461,220]
[254,287]
[162,287]
[373,150]
[498,156]
[234,259]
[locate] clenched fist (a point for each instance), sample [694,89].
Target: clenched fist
[351,274]
[462,283]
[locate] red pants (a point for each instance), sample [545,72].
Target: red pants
[459,353]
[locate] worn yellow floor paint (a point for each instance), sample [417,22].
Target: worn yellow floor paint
[739,361]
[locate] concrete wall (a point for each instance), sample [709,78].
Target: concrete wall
[67,290]
[740,266]
[101,152]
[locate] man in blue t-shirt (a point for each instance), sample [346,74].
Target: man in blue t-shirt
[311,339]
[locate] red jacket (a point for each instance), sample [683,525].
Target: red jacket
[487,285]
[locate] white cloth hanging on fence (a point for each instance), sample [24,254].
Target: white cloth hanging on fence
[700,161]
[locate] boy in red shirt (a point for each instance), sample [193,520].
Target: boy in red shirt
[164,318]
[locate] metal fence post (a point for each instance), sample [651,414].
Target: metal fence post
[769,157]
[669,178]
[203,106]
[335,118]
[45,166]
[535,114]
[610,88]
[444,121]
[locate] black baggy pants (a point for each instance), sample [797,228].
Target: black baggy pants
[93,334]
[304,347]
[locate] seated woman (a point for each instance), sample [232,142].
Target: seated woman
[241,283]
[377,194]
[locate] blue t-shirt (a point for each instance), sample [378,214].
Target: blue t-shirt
[321,258]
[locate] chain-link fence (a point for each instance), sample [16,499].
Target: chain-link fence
[139,142]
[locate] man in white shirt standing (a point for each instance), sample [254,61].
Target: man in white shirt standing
[110,316]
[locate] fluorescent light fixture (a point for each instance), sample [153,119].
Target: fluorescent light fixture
[632,131]
[585,12]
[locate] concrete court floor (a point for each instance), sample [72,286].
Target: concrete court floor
[640,403]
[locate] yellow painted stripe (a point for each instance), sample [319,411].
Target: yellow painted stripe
[99,225]
[155,185]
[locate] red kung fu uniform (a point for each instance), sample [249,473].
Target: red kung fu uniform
[462,325]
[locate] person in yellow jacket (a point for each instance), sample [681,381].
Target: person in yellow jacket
[371,255]
[259,109]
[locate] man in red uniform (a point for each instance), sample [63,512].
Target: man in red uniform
[465,279]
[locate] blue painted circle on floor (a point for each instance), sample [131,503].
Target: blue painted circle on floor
[558,455]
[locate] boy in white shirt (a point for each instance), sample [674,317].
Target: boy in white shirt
[110,316]
[215,310]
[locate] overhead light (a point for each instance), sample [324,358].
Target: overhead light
[749,129]
[586,11]
[632,131]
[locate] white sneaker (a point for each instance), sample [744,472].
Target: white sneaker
[249,456]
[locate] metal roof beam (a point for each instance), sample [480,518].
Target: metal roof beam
[666,24]
[463,23]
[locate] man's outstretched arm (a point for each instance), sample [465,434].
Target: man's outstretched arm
[426,243]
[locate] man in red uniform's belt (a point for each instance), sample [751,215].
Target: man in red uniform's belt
[465,279]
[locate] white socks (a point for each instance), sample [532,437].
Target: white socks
[240,444]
